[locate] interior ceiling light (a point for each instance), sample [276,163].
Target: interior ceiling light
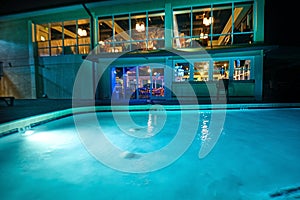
[207,21]
[140,26]
[82,32]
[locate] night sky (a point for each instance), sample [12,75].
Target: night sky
[17,6]
[281,23]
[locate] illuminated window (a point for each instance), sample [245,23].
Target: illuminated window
[182,28]
[221,70]
[106,27]
[201,27]
[241,70]
[138,31]
[42,38]
[221,32]
[56,35]
[156,30]
[243,26]
[181,72]
[61,38]
[134,31]
[213,25]
[201,71]
[83,36]
[70,37]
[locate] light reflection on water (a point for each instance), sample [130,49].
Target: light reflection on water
[204,126]
[149,132]
[158,137]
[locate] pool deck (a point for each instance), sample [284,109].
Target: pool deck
[33,111]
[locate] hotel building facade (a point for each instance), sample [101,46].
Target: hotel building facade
[135,50]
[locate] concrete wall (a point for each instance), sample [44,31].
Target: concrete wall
[14,53]
[56,76]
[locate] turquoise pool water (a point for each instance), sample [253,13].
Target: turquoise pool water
[256,156]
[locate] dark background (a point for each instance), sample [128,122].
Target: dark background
[19,6]
[282,62]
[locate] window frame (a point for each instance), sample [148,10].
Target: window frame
[63,48]
[209,38]
[146,42]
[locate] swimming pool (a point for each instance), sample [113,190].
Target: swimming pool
[256,155]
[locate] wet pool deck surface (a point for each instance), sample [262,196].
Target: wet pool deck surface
[23,108]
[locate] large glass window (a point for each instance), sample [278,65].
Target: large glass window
[124,82]
[138,33]
[106,28]
[182,27]
[42,38]
[121,33]
[132,31]
[70,37]
[241,70]
[147,83]
[201,71]
[67,37]
[56,35]
[222,25]
[243,26]
[221,70]
[157,82]
[181,71]
[213,25]
[156,30]
[201,25]
[83,36]
[144,85]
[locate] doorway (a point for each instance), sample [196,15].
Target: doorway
[137,82]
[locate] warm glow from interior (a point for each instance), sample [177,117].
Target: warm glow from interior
[82,32]
[208,21]
[140,27]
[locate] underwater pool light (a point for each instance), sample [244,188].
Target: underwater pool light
[26,130]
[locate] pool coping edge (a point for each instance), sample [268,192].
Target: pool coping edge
[28,122]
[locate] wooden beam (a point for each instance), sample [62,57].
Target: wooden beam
[66,31]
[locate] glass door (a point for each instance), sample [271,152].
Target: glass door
[150,82]
[138,82]
[157,80]
[123,83]
[144,82]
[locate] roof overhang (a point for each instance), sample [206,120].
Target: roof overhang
[187,53]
